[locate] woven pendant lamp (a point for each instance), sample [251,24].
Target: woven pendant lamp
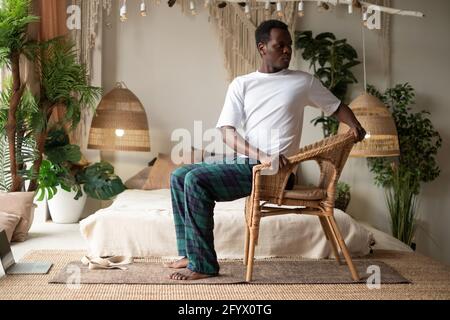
[381,139]
[120,123]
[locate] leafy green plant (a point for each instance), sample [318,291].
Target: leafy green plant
[14,44]
[25,143]
[331,61]
[343,196]
[419,143]
[402,205]
[63,168]
[63,84]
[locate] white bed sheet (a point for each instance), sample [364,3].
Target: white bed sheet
[139,223]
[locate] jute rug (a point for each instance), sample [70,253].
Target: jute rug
[429,280]
[265,272]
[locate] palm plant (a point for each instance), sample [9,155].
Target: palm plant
[63,84]
[14,43]
[25,144]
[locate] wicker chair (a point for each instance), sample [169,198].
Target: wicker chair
[269,195]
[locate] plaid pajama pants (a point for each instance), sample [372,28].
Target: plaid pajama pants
[194,189]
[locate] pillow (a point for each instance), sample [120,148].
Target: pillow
[8,222]
[138,180]
[159,177]
[20,204]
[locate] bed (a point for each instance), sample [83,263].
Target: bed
[139,223]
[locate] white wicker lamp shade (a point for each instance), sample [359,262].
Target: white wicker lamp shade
[120,123]
[381,139]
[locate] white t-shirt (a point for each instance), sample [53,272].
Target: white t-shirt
[269,108]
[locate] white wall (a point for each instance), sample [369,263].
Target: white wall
[174,64]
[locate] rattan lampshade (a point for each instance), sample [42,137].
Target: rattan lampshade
[381,139]
[120,123]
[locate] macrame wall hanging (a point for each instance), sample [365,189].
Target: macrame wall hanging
[86,37]
[236,30]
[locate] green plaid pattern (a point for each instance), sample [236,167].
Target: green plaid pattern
[195,188]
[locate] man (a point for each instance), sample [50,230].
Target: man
[272,98]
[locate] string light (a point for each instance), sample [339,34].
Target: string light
[279,10]
[247,11]
[143,9]
[192,8]
[300,11]
[267,9]
[123,11]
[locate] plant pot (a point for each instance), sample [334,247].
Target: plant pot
[342,201]
[64,208]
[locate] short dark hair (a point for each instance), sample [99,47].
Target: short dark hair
[262,33]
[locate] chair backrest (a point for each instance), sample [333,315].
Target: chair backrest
[332,160]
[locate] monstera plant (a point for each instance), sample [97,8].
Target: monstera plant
[64,167]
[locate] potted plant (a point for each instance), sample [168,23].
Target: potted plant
[331,61]
[419,143]
[66,180]
[343,196]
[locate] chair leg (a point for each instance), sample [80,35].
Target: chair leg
[251,254]
[247,243]
[345,252]
[331,239]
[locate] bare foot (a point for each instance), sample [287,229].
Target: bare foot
[179,264]
[188,275]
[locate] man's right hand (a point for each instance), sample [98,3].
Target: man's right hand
[273,159]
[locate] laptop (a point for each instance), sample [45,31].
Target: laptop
[11,267]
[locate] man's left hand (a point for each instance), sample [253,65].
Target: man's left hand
[359,133]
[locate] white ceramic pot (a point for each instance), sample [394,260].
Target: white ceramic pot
[64,208]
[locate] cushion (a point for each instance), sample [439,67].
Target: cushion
[305,193]
[139,179]
[20,204]
[8,222]
[159,176]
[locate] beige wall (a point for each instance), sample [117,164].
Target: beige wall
[174,64]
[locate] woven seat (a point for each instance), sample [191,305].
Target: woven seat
[305,192]
[269,196]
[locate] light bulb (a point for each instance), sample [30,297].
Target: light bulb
[120,133]
[367,136]
[247,11]
[279,10]
[267,8]
[365,19]
[143,9]
[123,11]
[192,8]
[300,9]
[350,8]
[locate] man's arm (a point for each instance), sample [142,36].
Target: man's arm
[345,114]
[236,142]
